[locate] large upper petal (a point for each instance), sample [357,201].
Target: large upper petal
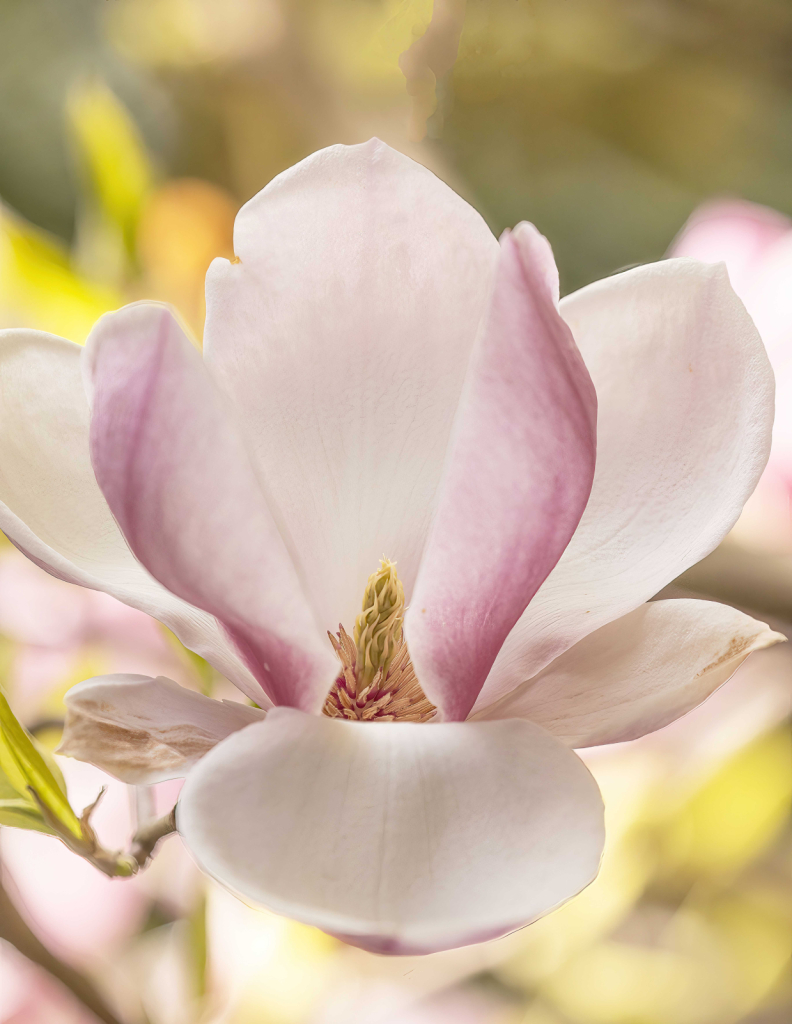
[51,506]
[397,836]
[342,335]
[685,395]
[145,730]
[637,674]
[519,476]
[176,476]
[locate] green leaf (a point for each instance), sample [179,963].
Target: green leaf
[203,670]
[25,766]
[18,813]
[38,282]
[20,810]
[112,154]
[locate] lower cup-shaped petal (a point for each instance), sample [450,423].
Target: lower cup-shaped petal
[398,837]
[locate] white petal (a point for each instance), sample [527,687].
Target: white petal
[685,396]
[50,504]
[755,243]
[144,730]
[638,673]
[342,337]
[397,836]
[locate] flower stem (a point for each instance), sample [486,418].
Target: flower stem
[113,863]
[146,838]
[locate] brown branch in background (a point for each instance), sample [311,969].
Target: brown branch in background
[760,583]
[15,930]
[430,59]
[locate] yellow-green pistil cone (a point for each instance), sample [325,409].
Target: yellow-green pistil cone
[378,628]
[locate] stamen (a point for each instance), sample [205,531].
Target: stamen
[378,628]
[377,682]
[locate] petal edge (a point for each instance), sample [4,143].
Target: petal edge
[143,730]
[637,673]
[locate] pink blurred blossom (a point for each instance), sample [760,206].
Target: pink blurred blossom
[57,626]
[755,243]
[31,996]
[380,1002]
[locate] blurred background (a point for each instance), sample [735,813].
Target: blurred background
[130,133]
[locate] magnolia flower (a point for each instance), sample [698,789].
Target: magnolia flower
[755,243]
[382,377]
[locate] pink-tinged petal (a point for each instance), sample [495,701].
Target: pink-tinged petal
[51,507]
[144,730]
[397,836]
[637,674]
[177,478]
[734,232]
[342,337]
[685,396]
[520,473]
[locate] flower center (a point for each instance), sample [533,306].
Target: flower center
[377,681]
